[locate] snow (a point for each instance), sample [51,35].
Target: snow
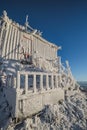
[68,114]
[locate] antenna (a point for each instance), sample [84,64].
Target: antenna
[26,23]
[26,18]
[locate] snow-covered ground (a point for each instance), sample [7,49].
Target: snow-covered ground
[68,114]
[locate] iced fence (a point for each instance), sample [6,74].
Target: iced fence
[37,81]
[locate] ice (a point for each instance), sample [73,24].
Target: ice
[67,114]
[70,114]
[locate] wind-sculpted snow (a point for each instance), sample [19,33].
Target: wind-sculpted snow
[70,114]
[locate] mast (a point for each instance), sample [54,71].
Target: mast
[27,26]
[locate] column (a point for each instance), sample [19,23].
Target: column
[52,82]
[56,81]
[18,80]
[60,80]
[47,83]
[41,82]
[34,83]
[26,83]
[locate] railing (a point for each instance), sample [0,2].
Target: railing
[37,81]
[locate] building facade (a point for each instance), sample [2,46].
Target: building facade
[15,41]
[31,72]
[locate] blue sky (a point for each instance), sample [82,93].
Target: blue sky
[63,22]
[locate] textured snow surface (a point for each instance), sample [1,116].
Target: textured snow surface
[70,114]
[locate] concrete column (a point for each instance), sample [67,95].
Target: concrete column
[56,81]
[47,83]
[52,81]
[18,80]
[41,82]
[34,83]
[59,81]
[26,83]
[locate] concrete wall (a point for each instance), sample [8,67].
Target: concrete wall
[33,103]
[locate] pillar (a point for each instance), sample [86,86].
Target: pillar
[41,82]
[34,83]
[26,83]
[52,82]
[47,83]
[56,81]
[59,81]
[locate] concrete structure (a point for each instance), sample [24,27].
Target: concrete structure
[31,73]
[28,95]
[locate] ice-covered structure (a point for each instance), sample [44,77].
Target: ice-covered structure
[31,72]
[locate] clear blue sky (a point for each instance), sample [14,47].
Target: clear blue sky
[63,22]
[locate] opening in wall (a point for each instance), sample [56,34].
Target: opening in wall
[22,81]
